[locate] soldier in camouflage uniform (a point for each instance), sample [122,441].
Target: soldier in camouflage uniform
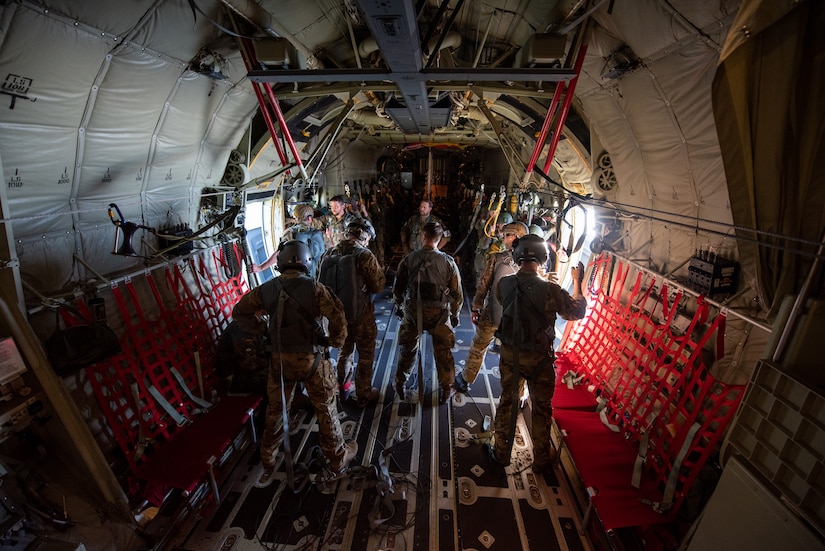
[296,304]
[335,223]
[439,310]
[305,229]
[530,304]
[486,309]
[361,331]
[378,217]
[411,232]
[488,245]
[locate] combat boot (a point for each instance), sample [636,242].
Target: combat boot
[350,450]
[461,384]
[446,393]
[401,390]
[364,401]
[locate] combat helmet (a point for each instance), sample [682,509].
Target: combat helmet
[504,218]
[302,211]
[530,247]
[535,229]
[519,229]
[360,229]
[294,255]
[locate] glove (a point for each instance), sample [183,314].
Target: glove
[454,320]
[399,312]
[581,272]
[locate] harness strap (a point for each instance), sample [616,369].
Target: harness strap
[141,443]
[179,378]
[636,480]
[279,317]
[319,330]
[673,478]
[606,422]
[179,419]
[419,320]
[383,489]
[571,379]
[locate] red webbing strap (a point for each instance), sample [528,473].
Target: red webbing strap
[110,385]
[623,359]
[206,298]
[593,338]
[70,318]
[156,293]
[545,128]
[662,379]
[684,405]
[665,304]
[248,55]
[619,280]
[196,323]
[174,280]
[158,349]
[601,273]
[125,314]
[719,404]
[189,335]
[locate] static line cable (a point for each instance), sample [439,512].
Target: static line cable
[609,204]
[643,213]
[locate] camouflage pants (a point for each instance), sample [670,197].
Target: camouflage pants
[479,260]
[377,245]
[320,386]
[485,331]
[360,336]
[537,368]
[436,322]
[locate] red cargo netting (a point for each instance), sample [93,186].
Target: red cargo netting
[158,341]
[654,383]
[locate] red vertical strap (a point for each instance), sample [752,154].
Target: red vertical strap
[665,304]
[135,300]
[125,315]
[643,300]
[81,306]
[247,53]
[156,294]
[545,128]
[568,98]
[620,276]
[285,130]
[172,283]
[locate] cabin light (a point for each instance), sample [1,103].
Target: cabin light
[592,228]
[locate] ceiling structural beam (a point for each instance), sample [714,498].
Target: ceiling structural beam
[352,89]
[393,25]
[434,75]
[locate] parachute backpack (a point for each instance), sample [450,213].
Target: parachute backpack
[339,272]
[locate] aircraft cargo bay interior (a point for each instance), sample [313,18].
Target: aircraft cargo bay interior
[411,274]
